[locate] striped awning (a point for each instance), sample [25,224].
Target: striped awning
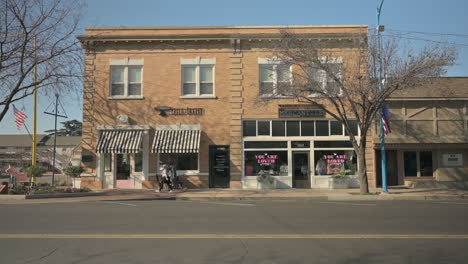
[176,141]
[119,141]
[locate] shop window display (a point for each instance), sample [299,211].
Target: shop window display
[332,162]
[273,162]
[182,161]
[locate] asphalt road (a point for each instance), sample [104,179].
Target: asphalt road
[235,232]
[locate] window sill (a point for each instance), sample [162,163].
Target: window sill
[125,97]
[274,96]
[198,97]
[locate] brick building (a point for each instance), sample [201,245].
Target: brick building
[188,96]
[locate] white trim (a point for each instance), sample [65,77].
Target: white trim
[126,82]
[273,60]
[198,97]
[126,62]
[123,127]
[179,127]
[198,61]
[198,81]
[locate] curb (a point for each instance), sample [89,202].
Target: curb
[63,195]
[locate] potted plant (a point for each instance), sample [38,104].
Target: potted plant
[339,180]
[265,181]
[75,172]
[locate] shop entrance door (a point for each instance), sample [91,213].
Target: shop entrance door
[123,172]
[301,169]
[219,167]
[392,168]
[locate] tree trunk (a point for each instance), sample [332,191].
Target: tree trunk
[362,170]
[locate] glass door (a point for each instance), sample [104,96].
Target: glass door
[123,175]
[301,175]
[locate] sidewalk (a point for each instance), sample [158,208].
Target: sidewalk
[277,194]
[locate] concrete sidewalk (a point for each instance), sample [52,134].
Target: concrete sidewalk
[277,194]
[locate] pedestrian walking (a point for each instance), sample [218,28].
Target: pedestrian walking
[165,178]
[177,183]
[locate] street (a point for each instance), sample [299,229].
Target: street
[235,232]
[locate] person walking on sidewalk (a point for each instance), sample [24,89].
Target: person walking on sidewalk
[165,178]
[177,184]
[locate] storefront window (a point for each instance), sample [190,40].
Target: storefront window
[353,126]
[182,161]
[273,162]
[263,128]
[266,144]
[336,129]
[107,162]
[138,162]
[307,128]
[425,162]
[292,128]
[278,128]
[411,169]
[333,162]
[249,128]
[322,128]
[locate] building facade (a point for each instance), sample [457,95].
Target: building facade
[189,96]
[429,139]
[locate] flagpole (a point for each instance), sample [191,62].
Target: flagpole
[383,154]
[34,144]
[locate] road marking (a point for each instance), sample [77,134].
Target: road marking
[235,204]
[363,204]
[129,204]
[231,236]
[450,203]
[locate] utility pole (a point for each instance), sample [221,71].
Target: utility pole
[56,114]
[380,28]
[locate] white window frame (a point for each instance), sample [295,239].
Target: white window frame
[323,76]
[275,62]
[125,64]
[198,62]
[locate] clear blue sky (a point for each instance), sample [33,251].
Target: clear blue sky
[438,20]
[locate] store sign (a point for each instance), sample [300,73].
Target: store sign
[266,159]
[284,112]
[452,160]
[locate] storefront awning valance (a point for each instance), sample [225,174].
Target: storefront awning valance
[176,141]
[119,141]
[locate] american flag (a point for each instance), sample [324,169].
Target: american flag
[20,118]
[386,119]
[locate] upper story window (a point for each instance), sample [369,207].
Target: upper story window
[126,78]
[324,78]
[275,77]
[198,78]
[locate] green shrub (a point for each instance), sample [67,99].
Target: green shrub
[74,171]
[35,171]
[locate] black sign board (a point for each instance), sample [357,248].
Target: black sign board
[283,112]
[219,167]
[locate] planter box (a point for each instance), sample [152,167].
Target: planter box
[266,185]
[76,183]
[338,183]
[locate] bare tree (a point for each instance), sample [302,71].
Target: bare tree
[343,82]
[38,33]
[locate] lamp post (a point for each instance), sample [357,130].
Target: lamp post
[383,155]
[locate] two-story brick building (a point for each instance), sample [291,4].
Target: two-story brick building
[188,96]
